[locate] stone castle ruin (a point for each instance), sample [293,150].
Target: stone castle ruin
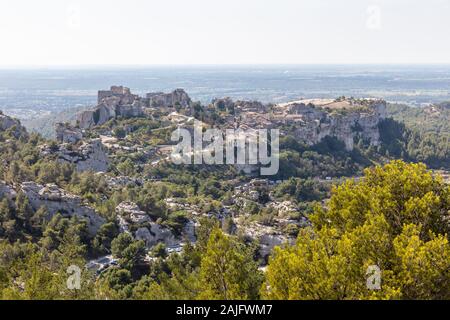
[120,102]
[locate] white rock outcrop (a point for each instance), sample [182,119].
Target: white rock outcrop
[122,181]
[156,233]
[269,241]
[283,207]
[88,156]
[267,237]
[67,133]
[7,122]
[7,191]
[130,213]
[55,200]
[130,218]
[344,119]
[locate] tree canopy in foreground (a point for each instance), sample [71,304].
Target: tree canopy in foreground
[396,218]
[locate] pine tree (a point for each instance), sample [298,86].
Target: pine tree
[227,270]
[395,219]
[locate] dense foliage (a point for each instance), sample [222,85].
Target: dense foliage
[396,219]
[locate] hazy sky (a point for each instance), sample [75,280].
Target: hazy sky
[73,32]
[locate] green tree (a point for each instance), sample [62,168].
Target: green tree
[396,218]
[133,256]
[102,241]
[131,253]
[227,269]
[159,250]
[120,243]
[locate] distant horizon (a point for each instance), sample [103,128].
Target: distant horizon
[31,90]
[221,65]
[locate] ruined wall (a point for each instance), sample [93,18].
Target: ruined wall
[111,104]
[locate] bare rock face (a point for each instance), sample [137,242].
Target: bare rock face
[164,100]
[189,231]
[269,241]
[122,181]
[67,133]
[156,233]
[86,120]
[343,119]
[55,200]
[7,191]
[130,213]
[283,207]
[267,237]
[118,101]
[89,156]
[135,221]
[7,122]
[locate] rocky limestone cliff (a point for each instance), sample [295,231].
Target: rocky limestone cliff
[120,182]
[67,133]
[55,200]
[129,213]
[267,238]
[313,120]
[135,221]
[88,156]
[7,123]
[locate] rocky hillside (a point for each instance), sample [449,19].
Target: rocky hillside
[344,119]
[433,118]
[11,125]
[105,195]
[311,120]
[111,165]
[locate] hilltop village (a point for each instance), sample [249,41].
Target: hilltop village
[310,120]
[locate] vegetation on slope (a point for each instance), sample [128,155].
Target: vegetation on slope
[396,218]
